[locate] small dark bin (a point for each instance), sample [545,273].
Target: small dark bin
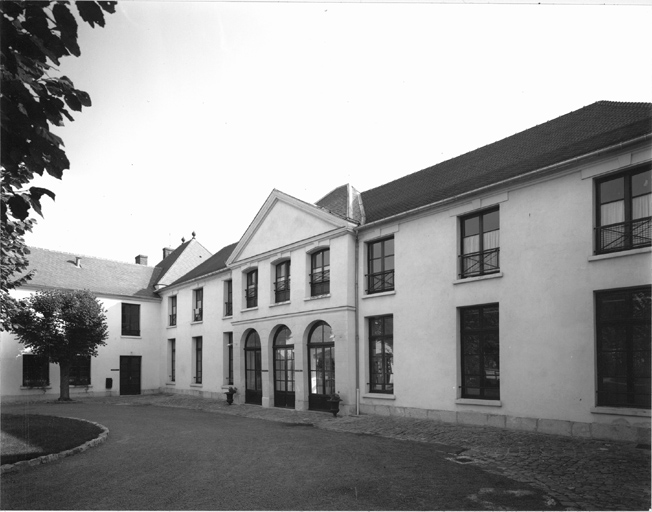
[109,383]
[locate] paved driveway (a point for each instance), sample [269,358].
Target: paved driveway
[159,458]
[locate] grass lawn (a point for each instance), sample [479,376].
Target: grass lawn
[27,436]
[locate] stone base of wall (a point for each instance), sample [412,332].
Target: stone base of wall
[213,395]
[50,396]
[615,432]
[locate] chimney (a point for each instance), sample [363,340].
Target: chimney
[141,259]
[78,262]
[167,251]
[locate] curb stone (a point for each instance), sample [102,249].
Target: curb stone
[44,459]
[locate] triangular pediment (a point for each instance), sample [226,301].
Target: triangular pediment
[281,222]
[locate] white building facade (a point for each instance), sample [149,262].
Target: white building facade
[507,287]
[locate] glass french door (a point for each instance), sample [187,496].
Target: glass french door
[253,373]
[321,366]
[284,394]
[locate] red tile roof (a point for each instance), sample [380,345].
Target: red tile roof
[578,133]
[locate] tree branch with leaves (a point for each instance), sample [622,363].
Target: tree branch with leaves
[33,100]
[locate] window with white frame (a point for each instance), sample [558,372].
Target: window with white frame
[624,209]
[282,282]
[320,273]
[251,289]
[36,371]
[479,343]
[130,319]
[380,266]
[80,371]
[197,363]
[623,347]
[480,247]
[198,305]
[228,298]
[172,311]
[381,354]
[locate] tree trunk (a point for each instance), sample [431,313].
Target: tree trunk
[64,386]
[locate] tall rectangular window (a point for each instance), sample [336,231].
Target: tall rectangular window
[80,371]
[172,347]
[480,352]
[624,206]
[623,347]
[36,371]
[172,310]
[251,291]
[228,298]
[130,319]
[229,346]
[480,244]
[198,359]
[282,283]
[380,266]
[320,273]
[198,305]
[381,354]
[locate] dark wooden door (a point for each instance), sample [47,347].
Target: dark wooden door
[130,375]
[321,362]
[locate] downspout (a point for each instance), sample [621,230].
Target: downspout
[357,337]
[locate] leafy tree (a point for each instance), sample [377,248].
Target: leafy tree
[35,36]
[61,325]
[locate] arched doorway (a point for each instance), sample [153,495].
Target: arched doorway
[283,368]
[253,374]
[321,366]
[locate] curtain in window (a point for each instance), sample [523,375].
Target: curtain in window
[641,206]
[471,244]
[612,213]
[492,240]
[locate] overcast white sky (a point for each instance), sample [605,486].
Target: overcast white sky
[200,109]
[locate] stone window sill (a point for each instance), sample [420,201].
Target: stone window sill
[131,337]
[381,396]
[380,294]
[478,278]
[172,326]
[284,303]
[611,255]
[170,383]
[197,322]
[196,385]
[474,401]
[317,297]
[248,309]
[621,411]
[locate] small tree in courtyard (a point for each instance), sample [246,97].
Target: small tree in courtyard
[61,325]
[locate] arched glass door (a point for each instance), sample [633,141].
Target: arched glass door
[283,368]
[321,366]
[253,374]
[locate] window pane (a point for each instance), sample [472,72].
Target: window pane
[490,316]
[327,258]
[377,327]
[641,183]
[389,325]
[490,221]
[471,365]
[612,213]
[471,244]
[612,190]
[613,307]
[612,338]
[641,207]
[471,344]
[470,319]
[389,247]
[641,305]
[389,263]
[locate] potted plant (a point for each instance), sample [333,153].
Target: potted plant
[229,394]
[335,400]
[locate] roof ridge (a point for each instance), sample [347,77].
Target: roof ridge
[80,255]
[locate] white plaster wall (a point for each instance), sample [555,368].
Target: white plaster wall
[545,293]
[105,365]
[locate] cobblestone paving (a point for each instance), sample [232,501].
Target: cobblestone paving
[581,474]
